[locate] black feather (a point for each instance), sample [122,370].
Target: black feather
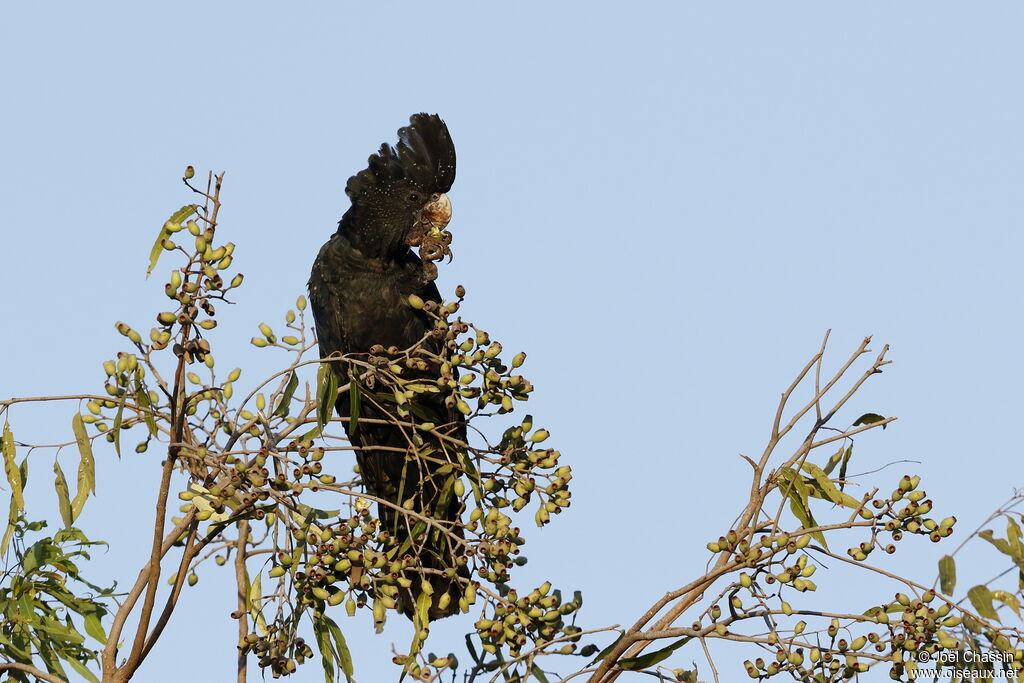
[359,290]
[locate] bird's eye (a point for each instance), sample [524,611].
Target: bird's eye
[413,197]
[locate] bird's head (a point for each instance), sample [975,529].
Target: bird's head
[399,200]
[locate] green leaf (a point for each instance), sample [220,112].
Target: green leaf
[94,627]
[333,647]
[472,650]
[255,605]
[284,405]
[59,630]
[1008,599]
[86,467]
[115,428]
[423,603]
[798,502]
[341,647]
[82,670]
[326,393]
[981,597]
[16,480]
[868,419]
[829,488]
[1013,537]
[834,460]
[355,400]
[947,574]
[142,397]
[177,217]
[1001,545]
[11,468]
[842,467]
[47,654]
[651,658]
[63,498]
[326,648]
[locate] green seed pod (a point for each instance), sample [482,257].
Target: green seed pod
[379,612]
[190,173]
[224,263]
[208,324]
[539,436]
[259,341]
[290,340]
[193,579]
[416,302]
[236,281]
[276,571]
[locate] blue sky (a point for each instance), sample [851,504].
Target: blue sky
[664,204]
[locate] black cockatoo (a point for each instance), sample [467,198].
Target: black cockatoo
[359,290]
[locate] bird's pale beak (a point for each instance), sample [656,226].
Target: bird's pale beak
[438,213]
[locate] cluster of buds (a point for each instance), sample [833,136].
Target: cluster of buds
[540,617]
[909,518]
[280,651]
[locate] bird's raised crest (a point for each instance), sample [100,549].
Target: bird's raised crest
[425,156]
